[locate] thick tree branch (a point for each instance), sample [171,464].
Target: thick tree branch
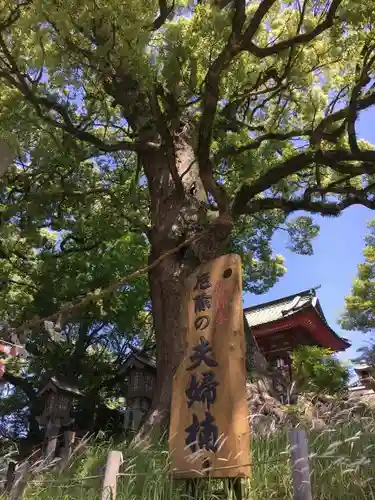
[14,15]
[211,94]
[67,125]
[342,114]
[6,281]
[271,136]
[15,78]
[304,38]
[338,190]
[334,159]
[362,80]
[209,105]
[164,12]
[263,9]
[75,249]
[20,383]
[352,117]
[289,206]
[271,177]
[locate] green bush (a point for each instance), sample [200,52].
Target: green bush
[315,369]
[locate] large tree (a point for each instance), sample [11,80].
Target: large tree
[220,119]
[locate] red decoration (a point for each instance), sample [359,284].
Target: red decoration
[221,294]
[5,349]
[8,351]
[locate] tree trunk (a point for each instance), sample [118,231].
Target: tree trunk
[174,218]
[167,293]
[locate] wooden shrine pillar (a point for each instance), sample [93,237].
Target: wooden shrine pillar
[69,438]
[137,415]
[52,432]
[133,416]
[10,476]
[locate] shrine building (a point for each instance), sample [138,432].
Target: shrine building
[282,325]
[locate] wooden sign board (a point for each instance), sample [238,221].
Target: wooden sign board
[209,429]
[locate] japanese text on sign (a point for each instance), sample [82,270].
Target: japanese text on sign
[209,424]
[202,434]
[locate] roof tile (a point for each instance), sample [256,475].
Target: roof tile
[278,309]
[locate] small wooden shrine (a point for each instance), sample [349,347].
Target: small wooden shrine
[57,400]
[282,325]
[140,377]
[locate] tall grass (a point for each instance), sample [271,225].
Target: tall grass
[342,463]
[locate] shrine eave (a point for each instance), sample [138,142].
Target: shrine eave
[311,321]
[55,383]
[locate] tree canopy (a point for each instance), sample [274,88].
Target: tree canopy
[255,81]
[270,91]
[138,124]
[360,304]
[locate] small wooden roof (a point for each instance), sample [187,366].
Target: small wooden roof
[363,367]
[301,309]
[139,361]
[55,384]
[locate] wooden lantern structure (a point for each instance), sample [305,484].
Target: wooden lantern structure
[365,385]
[140,374]
[364,372]
[57,401]
[282,325]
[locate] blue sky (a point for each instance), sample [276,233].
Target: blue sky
[337,252]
